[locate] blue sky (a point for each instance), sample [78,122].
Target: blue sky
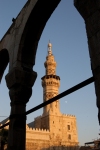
[66,31]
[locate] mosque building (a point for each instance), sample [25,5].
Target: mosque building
[52,130]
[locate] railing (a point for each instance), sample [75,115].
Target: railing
[65,93]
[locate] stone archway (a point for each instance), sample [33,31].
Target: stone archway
[21,40]
[33,30]
[90,11]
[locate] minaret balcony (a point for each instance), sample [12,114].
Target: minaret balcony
[50,76]
[51,80]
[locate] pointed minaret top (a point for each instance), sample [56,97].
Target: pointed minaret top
[49,48]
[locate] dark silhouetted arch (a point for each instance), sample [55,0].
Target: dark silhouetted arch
[33,30]
[4,59]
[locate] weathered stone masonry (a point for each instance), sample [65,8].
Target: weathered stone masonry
[60,129]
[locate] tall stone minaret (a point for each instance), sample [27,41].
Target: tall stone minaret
[50,83]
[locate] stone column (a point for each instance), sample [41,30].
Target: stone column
[90,11]
[20,84]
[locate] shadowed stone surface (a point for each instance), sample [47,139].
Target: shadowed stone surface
[20,84]
[90,11]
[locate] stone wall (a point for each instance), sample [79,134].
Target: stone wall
[36,139]
[62,132]
[40,134]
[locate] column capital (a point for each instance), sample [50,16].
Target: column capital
[19,76]
[20,84]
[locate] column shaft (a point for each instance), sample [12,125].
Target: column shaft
[20,84]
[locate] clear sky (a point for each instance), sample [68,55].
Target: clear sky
[66,31]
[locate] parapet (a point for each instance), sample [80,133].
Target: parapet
[37,130]
[68,115]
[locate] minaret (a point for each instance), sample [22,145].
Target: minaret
[50,83]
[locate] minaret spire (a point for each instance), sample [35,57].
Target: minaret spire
[49,48]
[50,63]
[50,83]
